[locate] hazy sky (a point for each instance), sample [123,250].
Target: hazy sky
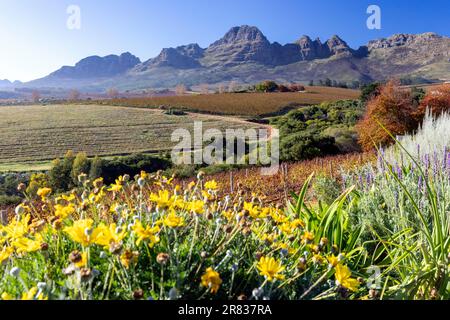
[35,39]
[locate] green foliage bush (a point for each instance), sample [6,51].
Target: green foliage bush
[132,165]
[9,195]
[266,86]
[369,91]
[81,164]
[325,129]
[63,174]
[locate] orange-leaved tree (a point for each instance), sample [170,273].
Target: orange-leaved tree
[437,101]
[393,108]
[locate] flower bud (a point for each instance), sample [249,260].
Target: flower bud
[141,182]
[138,294]
[82,178]
[257,292]
[162,258]
[19,210]
[21,187]
[85,274]
[200,175]
[75,256]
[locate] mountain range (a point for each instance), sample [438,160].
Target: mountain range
[245,55]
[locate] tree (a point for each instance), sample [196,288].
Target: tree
[311,83]
[328,82]
[417,95]
[296,88]
[369,91]
[74,94]
[283,88]
[394,109]
[96,168]
[60,172]
[267,86]
[80,165]
[180,90]
[437,100]
[35,96]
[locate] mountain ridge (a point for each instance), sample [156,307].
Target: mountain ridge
[244,54]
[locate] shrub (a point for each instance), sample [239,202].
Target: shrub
[417,95]
[431,140]
[283,88]
[60,172]
[81,164]
[394,109]
[266,86]
[95,170]
[6,200]
[10,181]
[437,100]
[308,132]
[296,88]
[346,138]
[369,91]
[132,165]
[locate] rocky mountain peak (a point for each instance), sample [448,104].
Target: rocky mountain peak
[182,57]
[243,33]
[240,44]
[192,50]
[304,41]
[337,46]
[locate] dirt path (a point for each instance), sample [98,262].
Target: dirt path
[236,120]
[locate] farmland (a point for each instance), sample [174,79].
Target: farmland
[245,104]
[37,133]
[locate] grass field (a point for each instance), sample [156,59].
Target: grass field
[29,135]
[245,104]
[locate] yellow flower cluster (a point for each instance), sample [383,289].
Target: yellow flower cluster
[131,222]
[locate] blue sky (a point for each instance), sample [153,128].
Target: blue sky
[36,41]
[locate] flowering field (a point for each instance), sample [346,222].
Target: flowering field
[126,242]
[386,236]
[120,242]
